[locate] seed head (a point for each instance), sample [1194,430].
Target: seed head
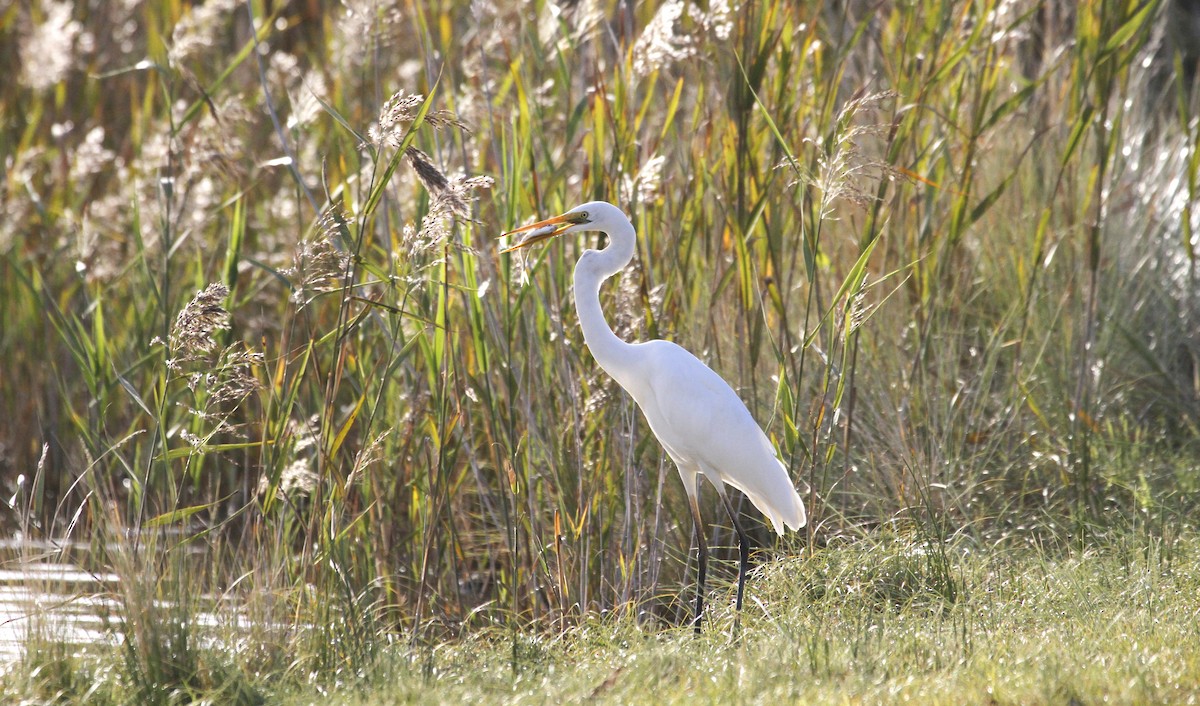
[198,322]
[659,44]
[47,50]
[398,113]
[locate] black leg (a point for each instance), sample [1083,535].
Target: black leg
[743,547]
[702,563]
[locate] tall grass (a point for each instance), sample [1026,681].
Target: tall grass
[252,300]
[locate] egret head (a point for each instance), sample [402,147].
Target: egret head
[594,215]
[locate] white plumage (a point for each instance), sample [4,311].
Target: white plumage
[700,421]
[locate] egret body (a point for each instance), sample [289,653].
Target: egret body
[700,421]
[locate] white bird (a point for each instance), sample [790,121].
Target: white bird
[700,421]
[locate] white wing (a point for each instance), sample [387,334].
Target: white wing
[703,424]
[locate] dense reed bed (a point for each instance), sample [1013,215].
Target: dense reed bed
[261,353]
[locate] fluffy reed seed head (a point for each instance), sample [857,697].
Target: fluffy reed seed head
[198,321]
[397,115]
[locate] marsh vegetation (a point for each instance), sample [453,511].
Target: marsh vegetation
[266,373]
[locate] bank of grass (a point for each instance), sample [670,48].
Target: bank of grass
[882,619]
[262,355]
[869,622]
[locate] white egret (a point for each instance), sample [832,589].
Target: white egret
[700,421]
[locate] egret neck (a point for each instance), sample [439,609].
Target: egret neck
[594,267]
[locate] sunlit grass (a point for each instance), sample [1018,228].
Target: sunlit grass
[870,621]
[864,623]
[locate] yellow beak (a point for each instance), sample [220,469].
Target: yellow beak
[544,230]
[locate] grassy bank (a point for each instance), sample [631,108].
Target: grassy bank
[886,620]
[261,355]
[870,624]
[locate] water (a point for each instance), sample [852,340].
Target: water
[46,588]
[42,592]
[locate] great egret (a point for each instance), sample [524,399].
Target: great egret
[698,418]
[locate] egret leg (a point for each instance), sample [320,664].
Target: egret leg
[743,547]
[702,559]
